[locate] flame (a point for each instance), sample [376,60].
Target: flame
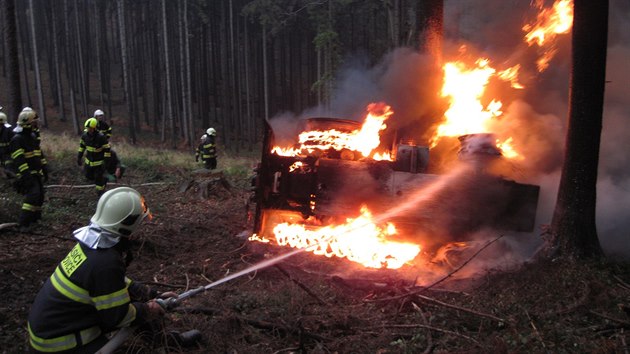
[465,87]
[363,140]
[549,24]
[359,240]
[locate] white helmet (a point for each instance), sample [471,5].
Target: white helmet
[120,211]
[3,118]
[27,117]
[98,112]
[26,109]
[211,131]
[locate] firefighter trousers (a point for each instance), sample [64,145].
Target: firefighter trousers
[33,201]
[96,174]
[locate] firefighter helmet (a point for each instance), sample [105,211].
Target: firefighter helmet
[211,132]
[98,113]
[120,211]
[27,117]
[3,118]
[91,123]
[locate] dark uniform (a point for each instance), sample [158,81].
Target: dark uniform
[6,133]
[31,172]
[207,149]
[104,129]
[96,148]
[87,296]
[115,169]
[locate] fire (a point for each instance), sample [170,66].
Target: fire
[359,240]
[363,140]
[465,87]
[549,23]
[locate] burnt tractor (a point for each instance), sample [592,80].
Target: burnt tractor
[316,185]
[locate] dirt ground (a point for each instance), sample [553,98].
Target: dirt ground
[306,303]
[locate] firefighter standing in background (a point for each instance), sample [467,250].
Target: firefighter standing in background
[6,133]
[102,125]
[96,148]
[31,168]
[207,149]
[88,294]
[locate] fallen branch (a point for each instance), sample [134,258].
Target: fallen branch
[8,225]
[302,286]
[426,322]
[610,318]
[536,332]
[454,307]
[79,186]
[423,289]
[418,325]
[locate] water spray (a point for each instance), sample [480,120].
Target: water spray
[416,198]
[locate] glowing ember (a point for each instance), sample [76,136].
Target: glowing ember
[359,240]
[363,140]
[549,23]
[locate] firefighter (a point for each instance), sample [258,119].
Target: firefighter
[31,168]
[6,133]
[97,152]
[36,128]
[102,125]
[207,149]
[89,294]
[115,168]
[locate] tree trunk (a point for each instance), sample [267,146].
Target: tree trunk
[573,227]
[125,68]
[169,100]
[14,92]
[38,79]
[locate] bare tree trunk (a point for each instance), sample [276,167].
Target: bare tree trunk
[265,73]
[125,68]
[182,71]
[38,79]
[168,76]
[13,65]
[79,52]
[573,227]
[58,83]
[188,81]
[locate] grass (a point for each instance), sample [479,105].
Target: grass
[156,164]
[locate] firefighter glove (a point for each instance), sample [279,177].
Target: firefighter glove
[154,310]
[79,159]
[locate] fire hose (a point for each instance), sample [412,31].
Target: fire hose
[170,303]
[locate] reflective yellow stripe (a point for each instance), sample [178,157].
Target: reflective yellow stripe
[53,344]
[23,167]
[129,317]
[93,163]
[99,188]
[68,288]
[64,342]
[29,207]
[17,153]
[93,149]
[29,154]
[114,299]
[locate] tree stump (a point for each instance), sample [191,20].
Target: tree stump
[207,183]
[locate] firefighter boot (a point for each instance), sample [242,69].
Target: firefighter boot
[185,339]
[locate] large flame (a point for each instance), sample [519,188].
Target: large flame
[549,23]
[359,240]
[465,86]
[363,140]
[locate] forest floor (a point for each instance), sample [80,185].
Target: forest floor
[305,304]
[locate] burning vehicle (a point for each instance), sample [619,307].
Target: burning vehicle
[337,191]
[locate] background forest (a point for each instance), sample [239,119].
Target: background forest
[176,67]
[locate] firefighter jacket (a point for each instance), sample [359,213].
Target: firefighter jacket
[26,153]
[6,133]
[96,148]
[87,295]
[104,128]
[207,149]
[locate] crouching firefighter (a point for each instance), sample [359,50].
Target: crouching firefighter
[88,294]
[31,168]
[97,151]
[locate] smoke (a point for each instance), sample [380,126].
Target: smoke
[534,117]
